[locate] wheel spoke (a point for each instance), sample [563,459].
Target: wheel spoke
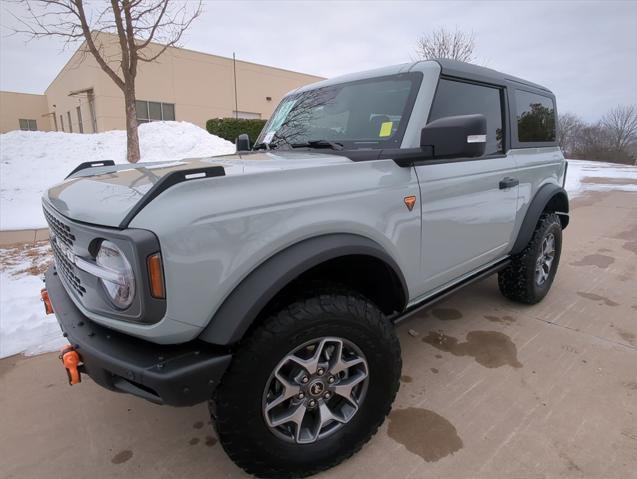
[289,389]
[293,415]
[347,385]
[345,364]
[326,415]
[311,364]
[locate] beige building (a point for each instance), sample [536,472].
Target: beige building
[181,85]
[23,111]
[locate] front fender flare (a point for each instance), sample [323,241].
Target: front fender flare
[548,193]
[247,300]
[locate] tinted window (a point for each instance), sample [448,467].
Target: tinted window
[536,117]
[154,111]
[457,98]
[168,111]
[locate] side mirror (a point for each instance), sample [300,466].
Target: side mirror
[242,142]
[463,136]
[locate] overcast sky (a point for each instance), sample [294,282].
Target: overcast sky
[585,51]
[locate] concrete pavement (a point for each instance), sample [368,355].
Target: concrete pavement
[490,389]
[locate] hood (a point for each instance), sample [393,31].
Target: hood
[105,195]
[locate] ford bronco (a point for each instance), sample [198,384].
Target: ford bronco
[269,282]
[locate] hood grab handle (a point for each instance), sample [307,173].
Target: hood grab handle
[90,164]
[166,182]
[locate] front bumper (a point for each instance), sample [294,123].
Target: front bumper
[177,375]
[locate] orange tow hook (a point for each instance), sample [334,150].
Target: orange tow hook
[44,295]
[71,359]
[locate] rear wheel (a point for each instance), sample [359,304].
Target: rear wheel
[309,387]
[530,275]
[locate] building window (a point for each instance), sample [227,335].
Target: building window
[62,122]
[28,125]
[246,115]
[460,98]
[68,116]
[536,117]
[79,119]
[154,111]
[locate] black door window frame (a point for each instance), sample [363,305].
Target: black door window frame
[504,112]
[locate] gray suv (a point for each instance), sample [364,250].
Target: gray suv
[269,282]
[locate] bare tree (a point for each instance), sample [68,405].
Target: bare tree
[569,127]
[621,123]
[441,43]
[136,23]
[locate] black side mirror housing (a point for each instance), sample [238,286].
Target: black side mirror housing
[463,136]
[242,142]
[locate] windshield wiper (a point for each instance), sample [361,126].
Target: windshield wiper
[318,144]
[264,146]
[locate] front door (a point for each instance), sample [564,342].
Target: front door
[468,206]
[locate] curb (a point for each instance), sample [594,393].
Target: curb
[15,237]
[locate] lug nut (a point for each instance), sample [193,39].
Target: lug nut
[305,379]
[301,396]
[327,395]
[320,371]
[312,403]
[331,379]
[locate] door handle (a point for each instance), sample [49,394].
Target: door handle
[508,183]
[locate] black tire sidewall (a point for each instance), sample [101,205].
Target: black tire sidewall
[553,226]
[259,361]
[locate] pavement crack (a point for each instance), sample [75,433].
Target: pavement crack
[601,338]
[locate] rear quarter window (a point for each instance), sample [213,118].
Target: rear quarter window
[535,116]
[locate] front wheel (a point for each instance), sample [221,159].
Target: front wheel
[309,387]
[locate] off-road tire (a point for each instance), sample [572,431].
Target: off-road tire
[517,281]
[237,405]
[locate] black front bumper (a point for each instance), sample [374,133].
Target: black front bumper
[178,375]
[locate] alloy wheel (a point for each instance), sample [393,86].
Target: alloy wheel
[315,390]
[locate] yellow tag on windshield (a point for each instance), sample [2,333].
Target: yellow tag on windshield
[385,129]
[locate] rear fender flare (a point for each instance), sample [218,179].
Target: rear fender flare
[547,194]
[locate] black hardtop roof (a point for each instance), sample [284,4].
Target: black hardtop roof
[455,68]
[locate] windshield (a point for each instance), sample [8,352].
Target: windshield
[371,113]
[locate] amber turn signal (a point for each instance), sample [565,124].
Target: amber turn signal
[156,276]
[410,201]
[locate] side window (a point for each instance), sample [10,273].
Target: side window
[154,111]
[28,125]
[458,98]
[536,117]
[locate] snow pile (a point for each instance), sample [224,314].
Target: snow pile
[585,176]
[33,161]
[24,327]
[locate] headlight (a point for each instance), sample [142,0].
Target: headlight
[121,285]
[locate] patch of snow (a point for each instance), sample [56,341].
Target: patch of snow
[24,327]
[33,161]
[602,177]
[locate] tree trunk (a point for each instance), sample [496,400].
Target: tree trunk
[132,138]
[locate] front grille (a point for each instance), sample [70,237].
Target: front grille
[67,269]
[61,232]
[59,229]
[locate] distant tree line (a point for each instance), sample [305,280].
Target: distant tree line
[612,139]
